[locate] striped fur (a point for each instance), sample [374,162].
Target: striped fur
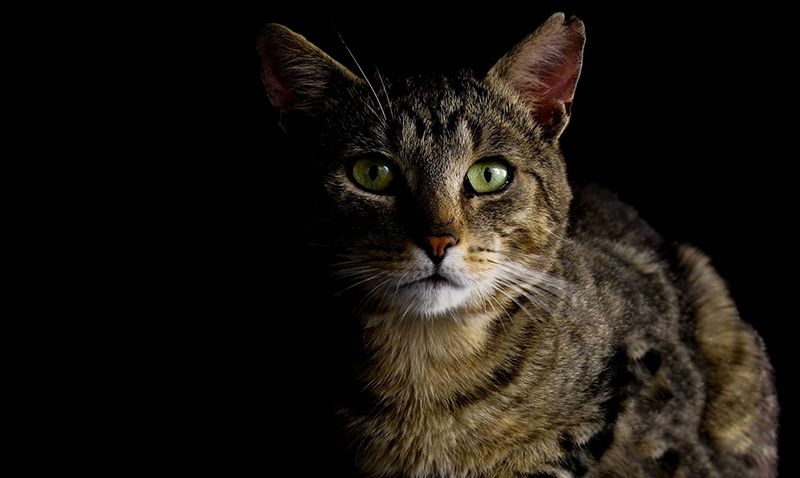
[559,336]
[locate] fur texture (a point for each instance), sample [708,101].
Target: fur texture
[552,333]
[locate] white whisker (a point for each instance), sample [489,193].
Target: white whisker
[385,92]
[522,291]
[514,300]
[512,285]
[362,74]
[517,281]
[372,277]
[373,291]
[400,282]
[490,301]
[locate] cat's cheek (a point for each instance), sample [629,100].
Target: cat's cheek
[356,206]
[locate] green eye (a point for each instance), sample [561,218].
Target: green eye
[487,176]
[373,174]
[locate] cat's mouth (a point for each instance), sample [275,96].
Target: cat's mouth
[431,295]
[435,280]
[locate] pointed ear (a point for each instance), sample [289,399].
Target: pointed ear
[296,74]
[544,69]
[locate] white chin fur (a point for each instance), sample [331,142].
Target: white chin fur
[428,298]
[424,297]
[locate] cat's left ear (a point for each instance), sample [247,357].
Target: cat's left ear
[544,69]
[296,74]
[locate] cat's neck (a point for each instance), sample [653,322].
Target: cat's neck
[438,339]
[428,362]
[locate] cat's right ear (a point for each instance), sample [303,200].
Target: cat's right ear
[296,74]
[544,70]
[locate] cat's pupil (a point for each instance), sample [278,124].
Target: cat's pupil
[487,175]
[373,172]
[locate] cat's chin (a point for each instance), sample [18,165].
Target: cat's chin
[431,296]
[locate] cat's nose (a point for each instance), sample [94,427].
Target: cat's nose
[437,246]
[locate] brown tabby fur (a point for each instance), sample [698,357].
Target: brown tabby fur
[566,338]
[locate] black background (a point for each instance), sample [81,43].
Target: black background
[683,111]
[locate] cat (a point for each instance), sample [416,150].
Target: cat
[495,319]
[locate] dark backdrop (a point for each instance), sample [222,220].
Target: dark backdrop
[682,111]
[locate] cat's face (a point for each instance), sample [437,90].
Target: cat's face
[436,194]
[443,202]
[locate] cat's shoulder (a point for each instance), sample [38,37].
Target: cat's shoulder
[597,213]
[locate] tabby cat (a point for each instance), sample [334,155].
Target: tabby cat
[506,323]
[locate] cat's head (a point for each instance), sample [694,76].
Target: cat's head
[434,194]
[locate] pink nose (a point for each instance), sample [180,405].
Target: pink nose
[438,244]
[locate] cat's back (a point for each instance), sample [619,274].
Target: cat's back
[699,389]
[598,214]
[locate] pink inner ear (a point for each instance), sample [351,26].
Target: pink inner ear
[546,71]
[281,97]
[554,85]
[560,83]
